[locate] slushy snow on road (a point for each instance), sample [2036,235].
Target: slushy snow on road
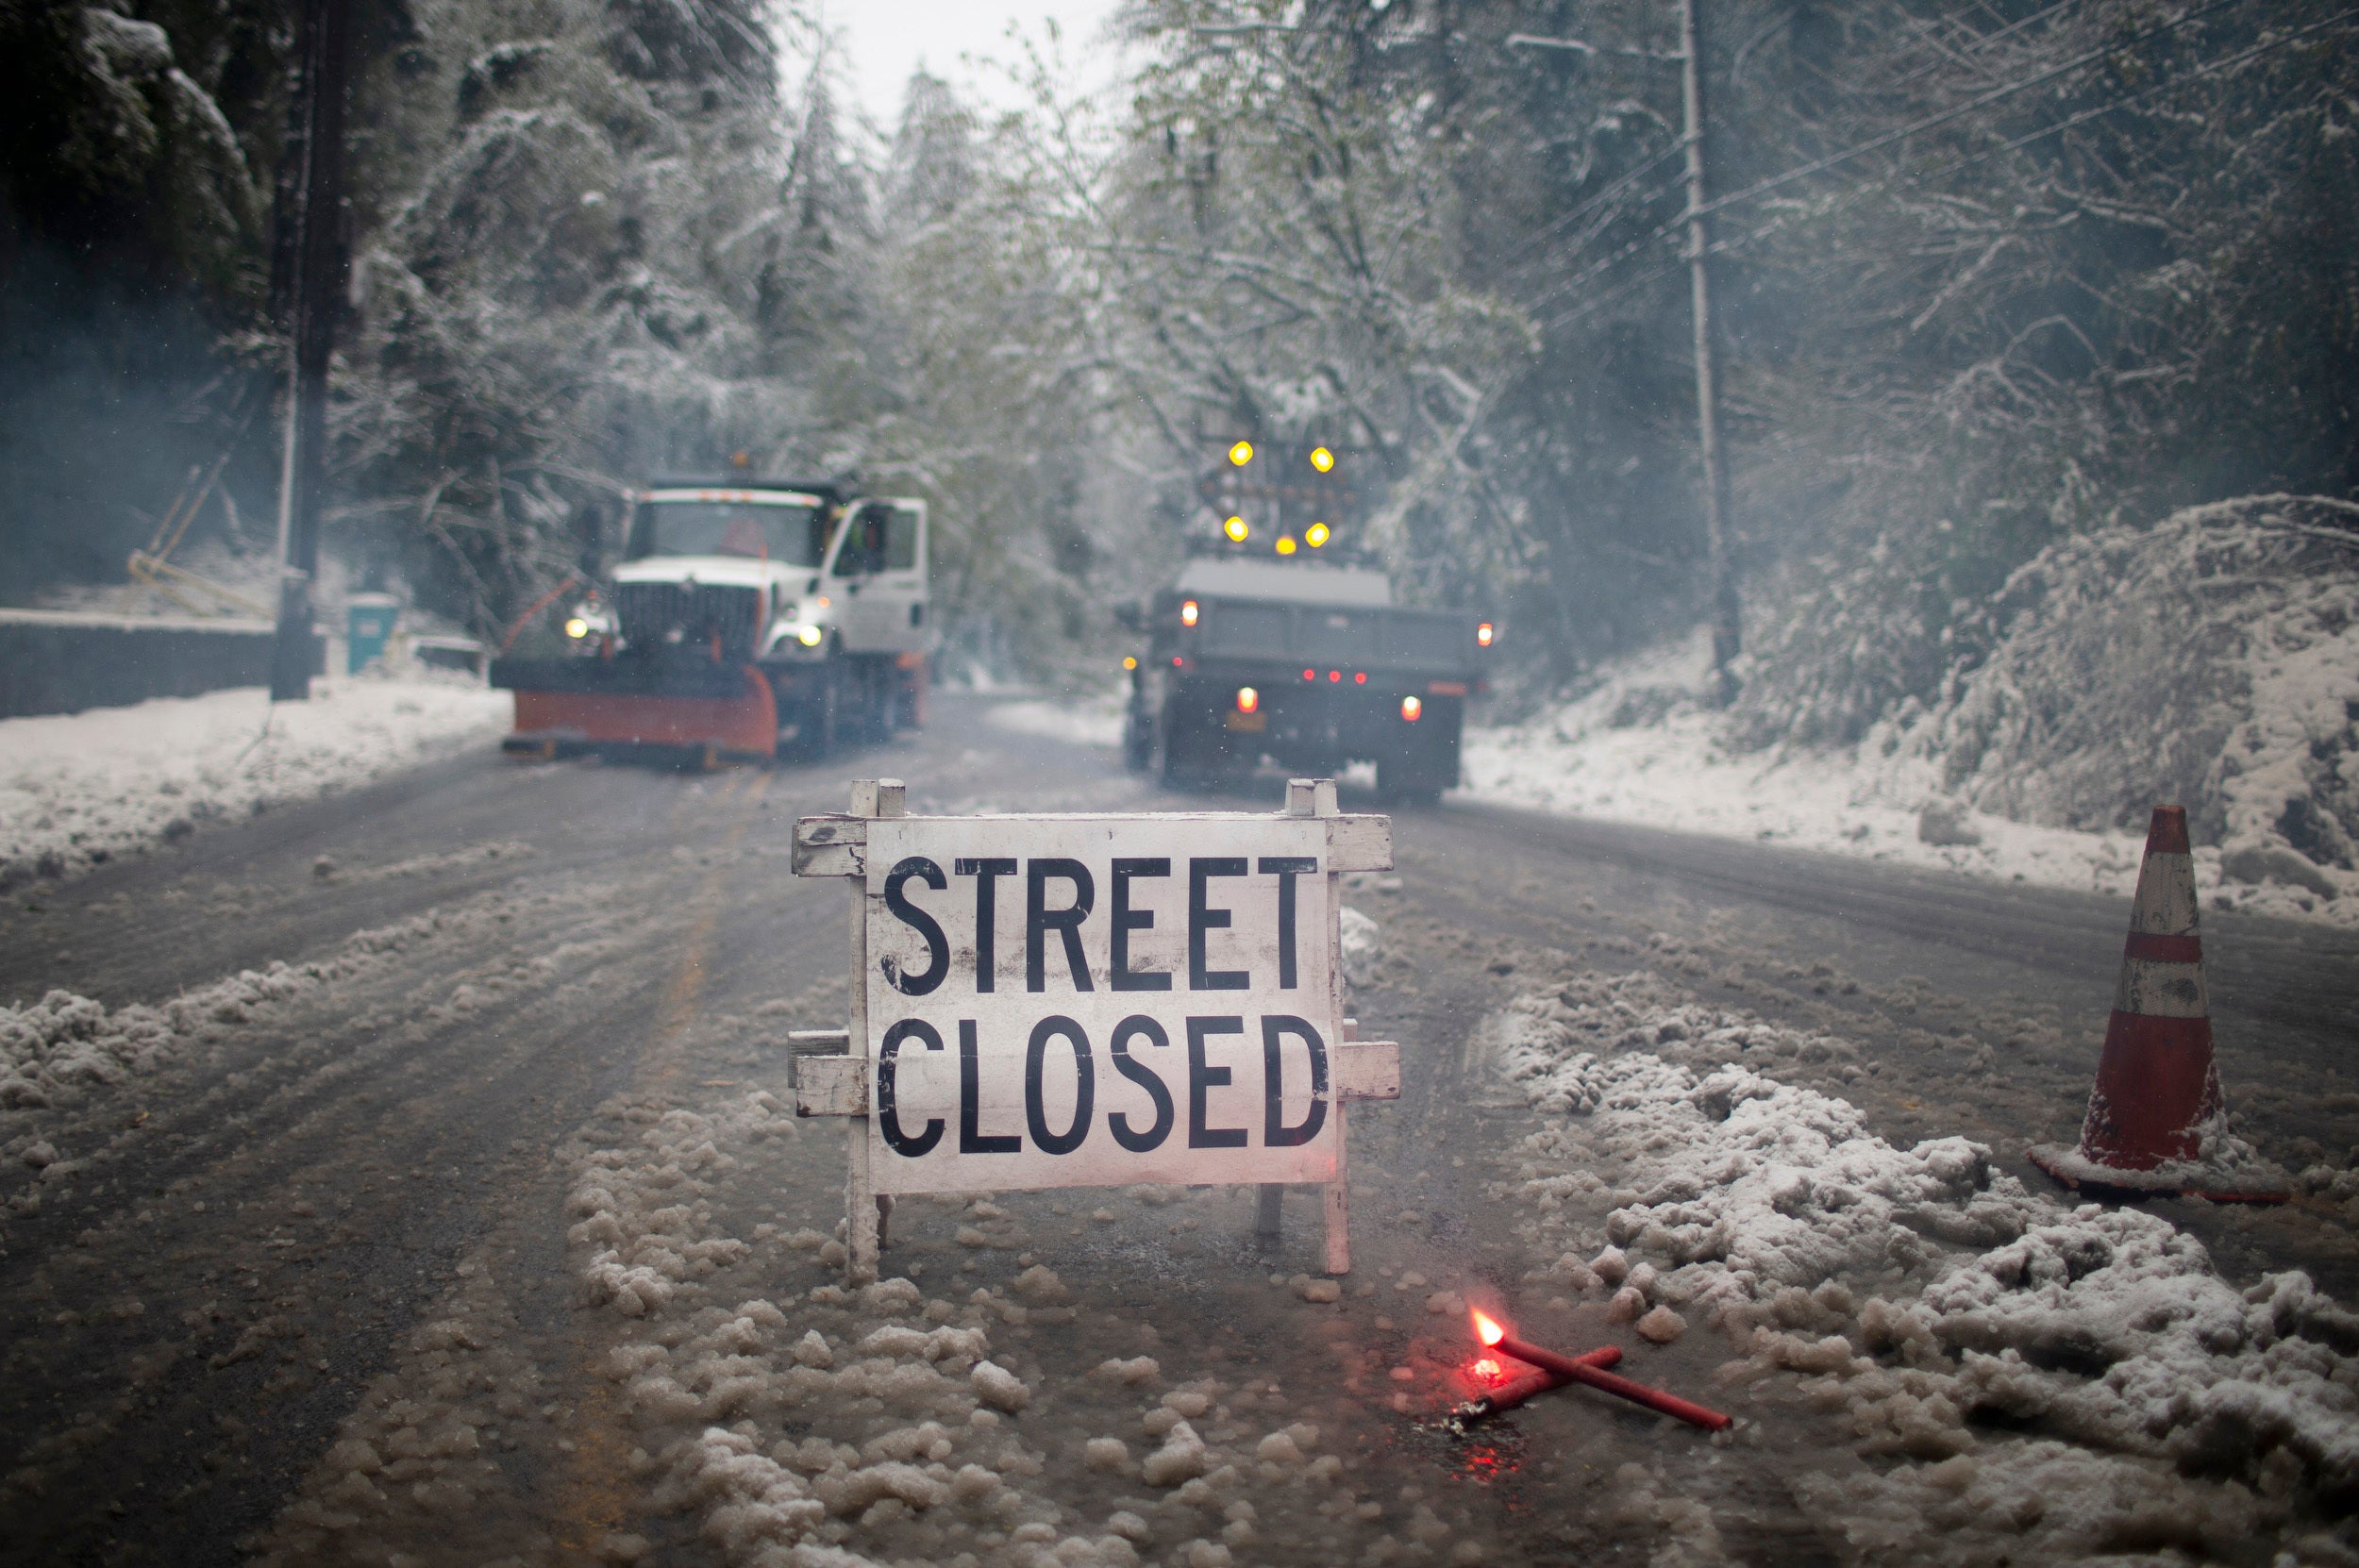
[2023,1375]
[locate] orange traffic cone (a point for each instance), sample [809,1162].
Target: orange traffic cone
[2157,1122]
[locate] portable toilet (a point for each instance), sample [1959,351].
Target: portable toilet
[369,620]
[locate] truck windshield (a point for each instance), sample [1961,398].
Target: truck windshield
[791,533]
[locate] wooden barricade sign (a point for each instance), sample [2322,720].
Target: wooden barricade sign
[1093,1000]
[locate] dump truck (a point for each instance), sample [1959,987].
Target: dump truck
[1297,655]
[748,620]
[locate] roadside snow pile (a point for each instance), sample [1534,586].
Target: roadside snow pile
[797,1421]
[1642,747]
[2064,1378]
[76,789]
[1076,721]
[2211,660]
[911,1379]
[54,1051]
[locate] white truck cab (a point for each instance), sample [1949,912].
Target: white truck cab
[806,576]
[823,591]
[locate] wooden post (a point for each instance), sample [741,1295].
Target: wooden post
[1315,797]
[866,1214]
[1726,621]
[1339,1190]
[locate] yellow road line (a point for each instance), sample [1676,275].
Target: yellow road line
[598,1494]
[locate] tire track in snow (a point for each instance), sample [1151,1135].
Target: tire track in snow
[598,1491]
[291,1126]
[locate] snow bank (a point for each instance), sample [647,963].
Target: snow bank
[1642,747]
[2019,1370]
[79,789]
[55,1051]
[2211,660]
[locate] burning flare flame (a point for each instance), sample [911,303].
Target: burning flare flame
[1488,1332]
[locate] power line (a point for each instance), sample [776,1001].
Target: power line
[1933,122]
[1887,139]
[1722,247]
[1556,225]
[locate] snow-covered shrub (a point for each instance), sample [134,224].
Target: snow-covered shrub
[2211,660]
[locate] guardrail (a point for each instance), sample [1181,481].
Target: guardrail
[63,661]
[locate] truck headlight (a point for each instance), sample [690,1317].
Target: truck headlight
[577,628]
[809,636]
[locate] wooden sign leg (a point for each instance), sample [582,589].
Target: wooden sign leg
[1339,1204]
[864,1209]
[861,1237]
[1339,1190]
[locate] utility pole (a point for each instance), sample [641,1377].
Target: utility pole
[316,300]
[1726,622]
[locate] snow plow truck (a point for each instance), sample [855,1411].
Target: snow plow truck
[1281,640]
[748,620]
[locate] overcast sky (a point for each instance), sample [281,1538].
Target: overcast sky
[889,38]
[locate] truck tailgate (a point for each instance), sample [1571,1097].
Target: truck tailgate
[1361,638]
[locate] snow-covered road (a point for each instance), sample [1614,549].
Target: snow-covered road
[476,1231]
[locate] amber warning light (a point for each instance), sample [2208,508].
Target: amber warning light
[1484,633]
[1187,612]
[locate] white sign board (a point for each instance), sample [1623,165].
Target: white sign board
[1076,1001]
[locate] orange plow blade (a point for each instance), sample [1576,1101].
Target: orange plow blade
[568,704]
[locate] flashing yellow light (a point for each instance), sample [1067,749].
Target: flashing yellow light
[1322,459]
[1187,612]
[1316,535]
[809,636]
[1130,661]
[1235,528]
[1483,634]
[1247,699]
[1412,709]
[577,628]
[1285,544]
[1241,454]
